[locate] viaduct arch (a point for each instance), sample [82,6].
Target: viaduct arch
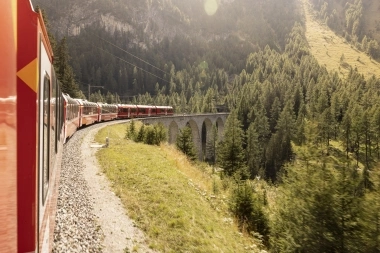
[201,126]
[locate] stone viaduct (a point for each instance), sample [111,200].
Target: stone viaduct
[200,124]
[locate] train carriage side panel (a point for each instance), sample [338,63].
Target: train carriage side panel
[8,128]
[144,110]
[27,88]
[170,111]
[107,112]
[49,155]
[71,116]
[37,164]
[89,112]
[100,109]
[126,111]
[80,109]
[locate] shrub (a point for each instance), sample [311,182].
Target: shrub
[247,207]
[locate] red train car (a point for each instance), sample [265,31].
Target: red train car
[163,110]
[144,110]
[39,125]
[126,111]
[107,112]
[88,112]
[70,115]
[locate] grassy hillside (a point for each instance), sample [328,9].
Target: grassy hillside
[328,48]
[181,208]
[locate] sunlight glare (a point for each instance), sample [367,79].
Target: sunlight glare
[211,6]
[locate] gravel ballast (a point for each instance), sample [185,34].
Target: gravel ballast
[90,218]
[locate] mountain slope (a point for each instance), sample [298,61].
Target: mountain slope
[172,35]
[328,48]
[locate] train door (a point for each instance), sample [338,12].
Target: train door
[44,145]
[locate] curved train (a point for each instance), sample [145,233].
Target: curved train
[78,113]
[35,121]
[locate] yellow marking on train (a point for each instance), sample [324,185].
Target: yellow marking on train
[29,74]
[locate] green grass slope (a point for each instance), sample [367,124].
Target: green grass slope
[328,49]
[173,202]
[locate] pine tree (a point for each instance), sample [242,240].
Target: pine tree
[185,143]
[254,152]
[131,130]
[231,153]
[347,210]
[141,134]
[64,71]
[275,114]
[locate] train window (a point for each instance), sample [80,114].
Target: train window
[56,109]
[45,120]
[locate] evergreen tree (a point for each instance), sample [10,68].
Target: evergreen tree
[64,71]
[231,154]
[254,152]
[185,143]
[371,217]
[247,206]
[275,114]
[150,135]
[348,202]
[131,130]
[346,133]
[279,149]
[141,134]
[160,133]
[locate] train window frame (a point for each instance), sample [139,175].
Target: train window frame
[45,147]
[57,116]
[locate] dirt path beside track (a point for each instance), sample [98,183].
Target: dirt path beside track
[120,232]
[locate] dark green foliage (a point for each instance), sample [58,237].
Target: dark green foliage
[141,134]
[64,70]
[319,210]
[185,143]
[131,130]
[247,206]
[230,152]
[150,135]
[160,133]
[254,152]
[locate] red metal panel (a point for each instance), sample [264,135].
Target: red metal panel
[27,86]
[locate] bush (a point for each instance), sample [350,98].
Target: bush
[149,135]
[185,143]
[131,131]
[247,206]
[155,134]
[141,134]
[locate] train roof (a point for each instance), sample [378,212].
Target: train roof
[86,103]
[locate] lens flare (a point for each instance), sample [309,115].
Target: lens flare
[211,6]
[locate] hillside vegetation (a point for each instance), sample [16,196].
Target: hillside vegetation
[180,207]
[333,51]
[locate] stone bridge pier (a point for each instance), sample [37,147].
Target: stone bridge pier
[200,124]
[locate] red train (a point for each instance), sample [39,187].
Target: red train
[79,112]
[35,121]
